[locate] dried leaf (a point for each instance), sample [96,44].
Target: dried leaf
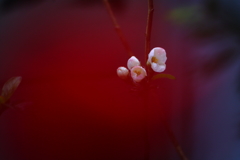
[169,76]
[10,86]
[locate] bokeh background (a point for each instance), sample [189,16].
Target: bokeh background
[72,106]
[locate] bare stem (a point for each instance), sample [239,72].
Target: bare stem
[149,28]
[147,50]
[146,123]
[117,28]
[173,139]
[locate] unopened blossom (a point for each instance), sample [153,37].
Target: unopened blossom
[157,59]
[122,72]
[138,73]
[132,62]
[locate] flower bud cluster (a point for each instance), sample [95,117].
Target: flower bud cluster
[156,59]
[137,72]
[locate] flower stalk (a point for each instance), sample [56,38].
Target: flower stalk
[172,137]
[146,122]
[141,77]
[149,28]
[147,49]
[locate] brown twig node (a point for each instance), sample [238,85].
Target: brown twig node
[117,28]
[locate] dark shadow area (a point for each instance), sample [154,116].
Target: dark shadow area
[117,5]
[9,5]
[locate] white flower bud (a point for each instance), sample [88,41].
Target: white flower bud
[132,62]
[157,58]
[122,72]
[138,73]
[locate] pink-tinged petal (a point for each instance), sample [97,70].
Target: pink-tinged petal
[158,68]
[157,58]
[132,62]
[160,54]
[122,72]
[138,73]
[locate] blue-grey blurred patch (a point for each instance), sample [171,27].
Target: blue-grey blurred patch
[215,23]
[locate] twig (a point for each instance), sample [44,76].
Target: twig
[149,28]
[173,138]
[117,28]
[147,50]
[146,123]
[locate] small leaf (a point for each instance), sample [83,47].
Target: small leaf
[9,87]
[186,15]
[169,76]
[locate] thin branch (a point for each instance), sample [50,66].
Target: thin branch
[117,28]
[149,28]
[173,139]
[146,123]
[147,50]
[171,135]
